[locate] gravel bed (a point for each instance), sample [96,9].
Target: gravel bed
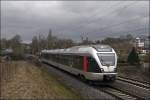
[86,91]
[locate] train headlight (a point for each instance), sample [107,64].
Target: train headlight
[102,70]
[115,69]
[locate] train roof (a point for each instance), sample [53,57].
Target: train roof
[81,49]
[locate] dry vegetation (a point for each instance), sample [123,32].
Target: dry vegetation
[23,80]
[133,72]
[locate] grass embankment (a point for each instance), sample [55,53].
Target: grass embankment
[23,80]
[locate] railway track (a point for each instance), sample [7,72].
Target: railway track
[118,94]
[133,89]
[145,84]
[126,89]
[124,93]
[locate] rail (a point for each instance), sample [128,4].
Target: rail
[135,82]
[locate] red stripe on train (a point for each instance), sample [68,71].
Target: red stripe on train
[85,63]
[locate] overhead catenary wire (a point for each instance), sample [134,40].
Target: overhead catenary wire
[118,24]
[124,22]
[130,31]
[124,7]
[118,11]
[114,11]
[111,7]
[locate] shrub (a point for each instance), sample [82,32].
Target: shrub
[133,57]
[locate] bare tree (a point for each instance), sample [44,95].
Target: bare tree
[15,44]
[50,40]
[42,42]
[34,45]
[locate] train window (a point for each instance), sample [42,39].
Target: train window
[107,59]
[69,60]
[49,56]
[80,62]
[42,55]
[92,65]
[45,55]
[64,60]
[77,62]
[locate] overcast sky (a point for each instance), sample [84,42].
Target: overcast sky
[70,19]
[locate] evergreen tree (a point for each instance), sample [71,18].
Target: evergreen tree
[133,57]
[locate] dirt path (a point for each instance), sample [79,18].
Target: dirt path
[32,82]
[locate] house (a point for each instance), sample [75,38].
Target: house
[6,51]
[142,44]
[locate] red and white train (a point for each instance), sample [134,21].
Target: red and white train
[92,62]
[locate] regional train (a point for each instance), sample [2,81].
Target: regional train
[92,62]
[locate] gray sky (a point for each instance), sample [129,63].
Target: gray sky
[70,19]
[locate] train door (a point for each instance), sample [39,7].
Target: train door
[92,65]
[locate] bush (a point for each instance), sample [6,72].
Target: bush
[133,57]
[17,56]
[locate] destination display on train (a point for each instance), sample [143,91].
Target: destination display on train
[104,50]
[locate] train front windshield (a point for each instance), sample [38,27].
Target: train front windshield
[107,59]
